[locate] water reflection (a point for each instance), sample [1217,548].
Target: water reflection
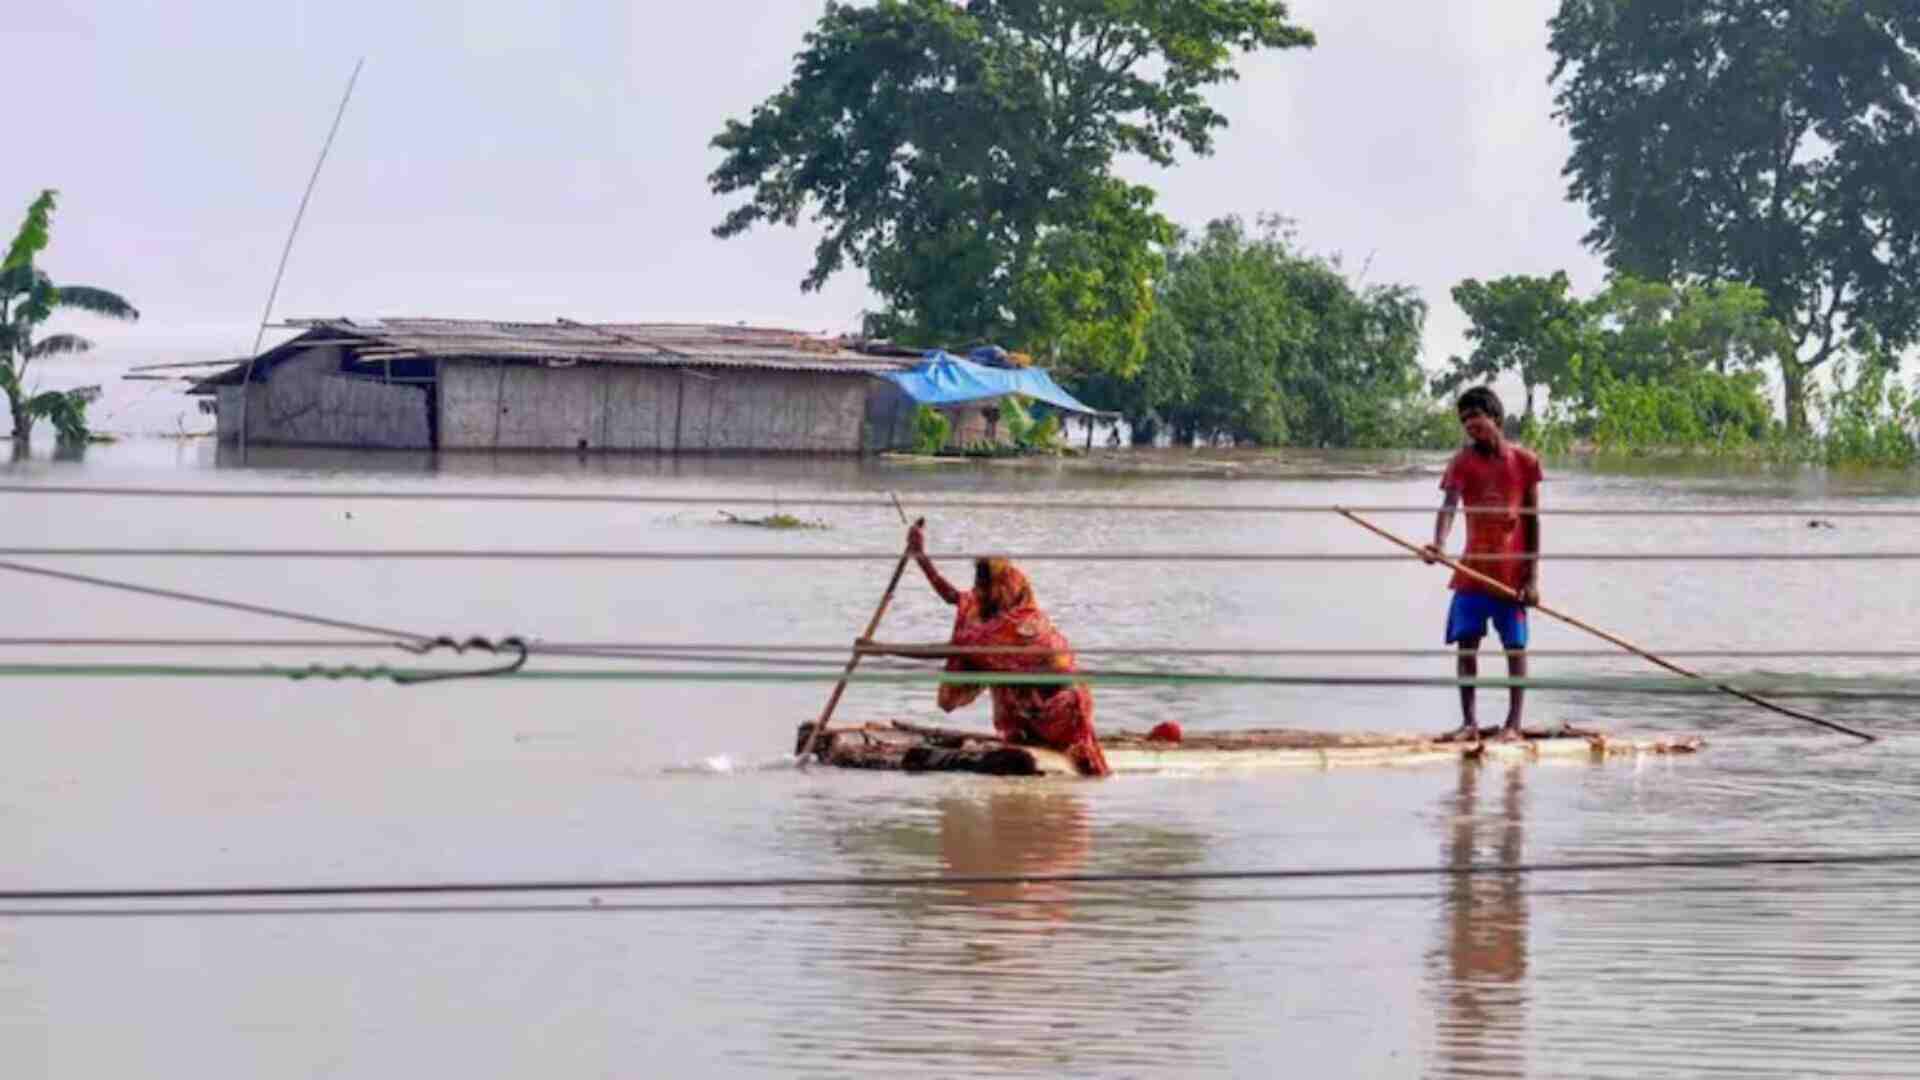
[1017,832]
[1480,967]
[1100,470]
[325,461]
[991,977]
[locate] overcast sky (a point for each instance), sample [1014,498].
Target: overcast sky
[516,160]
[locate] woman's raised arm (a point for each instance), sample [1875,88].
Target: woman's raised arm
[917,546]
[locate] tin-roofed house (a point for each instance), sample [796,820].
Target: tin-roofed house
[460,384]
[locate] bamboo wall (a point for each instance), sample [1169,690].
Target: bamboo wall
[307,402]
[667,410]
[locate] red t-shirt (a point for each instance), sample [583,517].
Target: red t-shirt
[1497,481]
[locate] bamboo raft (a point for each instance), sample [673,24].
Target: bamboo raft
[905,747]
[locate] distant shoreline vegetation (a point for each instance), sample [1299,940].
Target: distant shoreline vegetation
[1868,420]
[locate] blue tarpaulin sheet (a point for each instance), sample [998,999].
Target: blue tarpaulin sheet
[944,379]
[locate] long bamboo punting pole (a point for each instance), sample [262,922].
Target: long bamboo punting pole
[266,314]
[1501,589]
[873,626]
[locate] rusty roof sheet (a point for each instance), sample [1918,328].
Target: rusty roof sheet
[665,344]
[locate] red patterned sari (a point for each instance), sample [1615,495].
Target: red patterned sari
[1057,716]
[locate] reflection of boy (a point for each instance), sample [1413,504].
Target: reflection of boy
[1500,484]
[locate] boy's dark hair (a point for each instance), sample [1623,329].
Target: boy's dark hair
[1482,399]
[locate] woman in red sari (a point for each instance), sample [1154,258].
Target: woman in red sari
[1000,610]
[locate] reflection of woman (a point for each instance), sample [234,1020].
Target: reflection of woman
[1017,833]
[1000,611]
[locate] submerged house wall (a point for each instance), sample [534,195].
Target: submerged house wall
[889,417]
[486,405]
[307,401]
[461,384]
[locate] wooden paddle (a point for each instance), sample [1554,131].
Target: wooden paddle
[1501,589]
[873,626]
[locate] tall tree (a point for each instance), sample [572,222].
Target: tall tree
[28,298]
[1674,365]
[962,154]
[1653,329]
[1251,339]
[1525,325]
[1358,371]
[1775,142]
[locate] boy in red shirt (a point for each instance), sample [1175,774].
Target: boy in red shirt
[1500,484]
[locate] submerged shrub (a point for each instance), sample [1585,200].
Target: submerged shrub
[931,429]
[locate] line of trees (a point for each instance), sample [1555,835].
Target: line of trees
[964,155]
[1698,351]
[1252,340]
[1775,145]
[1752,172]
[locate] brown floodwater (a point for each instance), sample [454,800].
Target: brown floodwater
[111,782]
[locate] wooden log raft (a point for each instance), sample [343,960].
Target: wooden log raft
[904,747]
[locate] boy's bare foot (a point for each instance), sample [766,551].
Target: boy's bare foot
[1511,733]
[1463,733]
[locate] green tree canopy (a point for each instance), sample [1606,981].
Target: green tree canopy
[962,154]
[1654,329]
[1252,340]
[1774,143]
[1638,330]
[1529,326]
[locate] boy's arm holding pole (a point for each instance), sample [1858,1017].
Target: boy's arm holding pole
[1442,526]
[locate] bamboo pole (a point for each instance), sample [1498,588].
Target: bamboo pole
[1502,589]
[246,381]
[873,626]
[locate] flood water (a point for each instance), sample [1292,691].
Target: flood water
[112,782]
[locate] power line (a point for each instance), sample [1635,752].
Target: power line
[709,555]
[212,601]
[859,882]
[413,642]
[722,652]
[1836,688]
[881,502]
[595,906]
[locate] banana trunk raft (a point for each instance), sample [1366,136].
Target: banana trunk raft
[904,747]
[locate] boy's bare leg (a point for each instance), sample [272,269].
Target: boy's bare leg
[1516,697]
[1468,666]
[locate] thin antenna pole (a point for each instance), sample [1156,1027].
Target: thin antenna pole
[266,314]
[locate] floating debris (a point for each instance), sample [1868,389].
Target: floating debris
[779,520]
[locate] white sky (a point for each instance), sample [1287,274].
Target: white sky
[514,160]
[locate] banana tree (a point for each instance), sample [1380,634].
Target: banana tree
[28,298]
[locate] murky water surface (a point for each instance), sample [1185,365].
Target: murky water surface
[119,782]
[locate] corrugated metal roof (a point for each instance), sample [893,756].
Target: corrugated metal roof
[566,341]
[669,344]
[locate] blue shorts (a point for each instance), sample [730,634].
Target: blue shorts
[1471,611]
